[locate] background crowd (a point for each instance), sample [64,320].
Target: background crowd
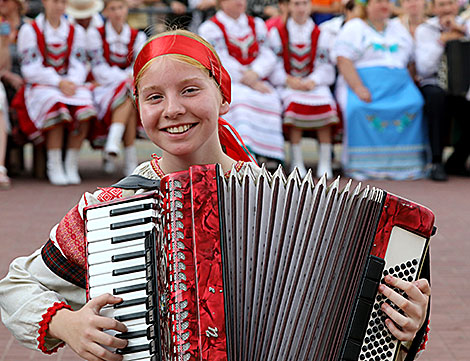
[372,75]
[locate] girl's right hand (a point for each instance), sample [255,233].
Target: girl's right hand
[363,93]
[67,87]
[83,330]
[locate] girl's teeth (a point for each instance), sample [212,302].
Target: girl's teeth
[180,129]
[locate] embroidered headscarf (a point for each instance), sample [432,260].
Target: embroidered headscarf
[187,44]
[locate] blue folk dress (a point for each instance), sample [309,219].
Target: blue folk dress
[386,138]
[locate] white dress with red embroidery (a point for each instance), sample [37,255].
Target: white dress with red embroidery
[303,52]
[45,103]
[240,44]
[31,293]
[112,57]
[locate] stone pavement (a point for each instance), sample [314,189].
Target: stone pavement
[31,207]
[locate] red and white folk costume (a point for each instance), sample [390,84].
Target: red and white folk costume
[112,57]
[53,277]
[303,52]
[49,56]
[241,46]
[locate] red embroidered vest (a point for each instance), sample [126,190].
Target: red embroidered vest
[121,60]
[55,55]
[298,59]
[246,49]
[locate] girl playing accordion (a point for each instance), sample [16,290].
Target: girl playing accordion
[181,91]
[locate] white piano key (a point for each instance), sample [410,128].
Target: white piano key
[138,341]
[99,212]
[132,295]
[106,256]
[102,234]
[104,279]
[109,267]
[114,312]
[144,355]
[141,326]
[106,245]
[99,290]
[105,223]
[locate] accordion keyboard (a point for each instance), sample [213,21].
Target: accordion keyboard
[116,243]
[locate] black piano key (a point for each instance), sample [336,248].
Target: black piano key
[130,223]
[129,289]
[131,316]
[129,237]
[127,270]
[150,317]
[132,334]
[128,303]
[132,349]
[127,256]
[130,209]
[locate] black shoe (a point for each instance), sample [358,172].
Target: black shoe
[438,173]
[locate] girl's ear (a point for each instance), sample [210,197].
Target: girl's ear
[224,107]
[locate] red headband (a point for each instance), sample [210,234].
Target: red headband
[187,46]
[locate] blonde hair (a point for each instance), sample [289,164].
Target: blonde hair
[182,58]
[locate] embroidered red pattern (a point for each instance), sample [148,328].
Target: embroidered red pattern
[109,193]
[44,326]
[70,236]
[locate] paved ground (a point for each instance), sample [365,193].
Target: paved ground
[31,207]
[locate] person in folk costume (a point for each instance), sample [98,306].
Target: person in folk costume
[382,107]
[181,92]
[182,89]
[306,96]
[112,49]
[53,58]
[256,108]
[441,106]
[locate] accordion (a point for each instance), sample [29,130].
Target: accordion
[252,266]
[454,72]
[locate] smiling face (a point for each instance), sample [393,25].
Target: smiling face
[179,107]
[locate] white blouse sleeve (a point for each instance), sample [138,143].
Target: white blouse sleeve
[266,60]
[26,294]
[324,71]
[103,73]
[278,76]
[32,67]
[349,42]
[77,71]
[428,50]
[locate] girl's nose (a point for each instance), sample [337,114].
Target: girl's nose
[173,108]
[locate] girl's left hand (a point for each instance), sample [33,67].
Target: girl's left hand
[405,326]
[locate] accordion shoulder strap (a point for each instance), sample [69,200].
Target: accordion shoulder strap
[135,181]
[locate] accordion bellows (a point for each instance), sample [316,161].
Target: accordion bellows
[254,266]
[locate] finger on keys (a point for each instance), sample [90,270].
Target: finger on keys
[410,289]
[423,286]
[104,354]
[108,323]
[395,331]
[109,340]
[99,302]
